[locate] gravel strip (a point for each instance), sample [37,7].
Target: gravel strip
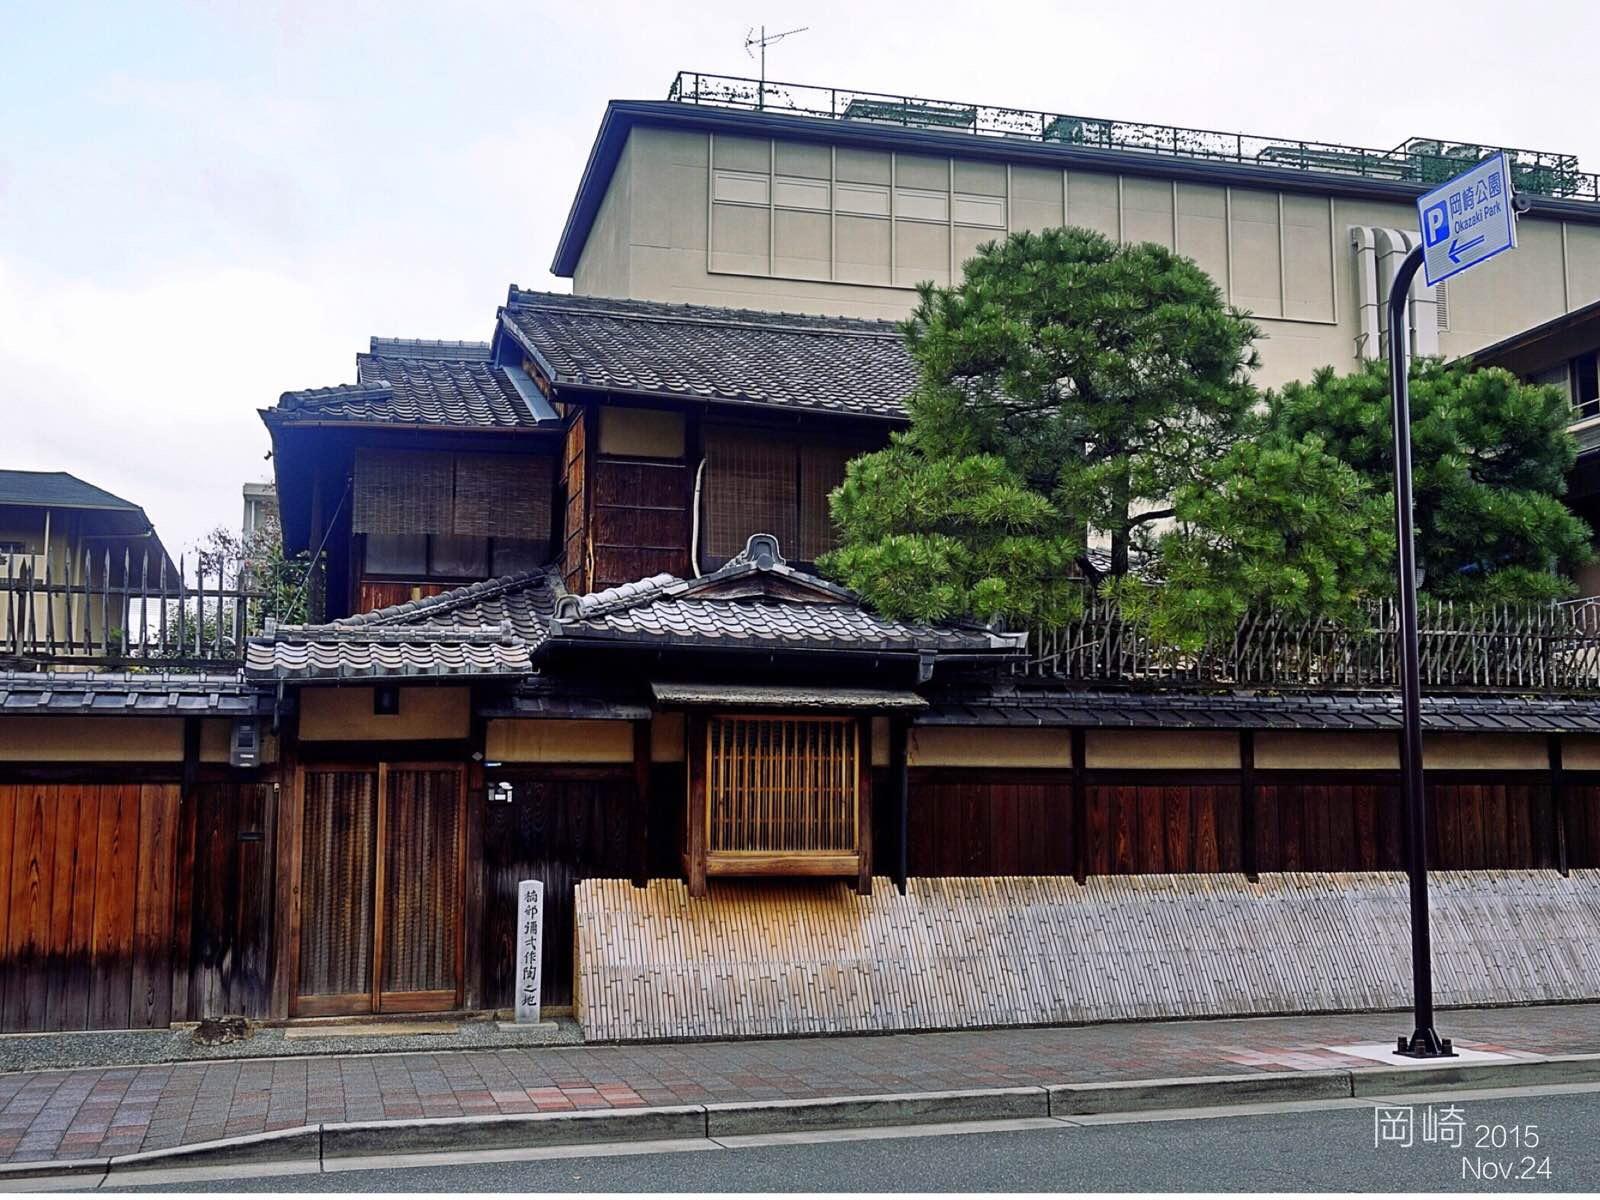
[142,1047]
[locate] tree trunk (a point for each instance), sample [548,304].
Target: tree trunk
[1120,527]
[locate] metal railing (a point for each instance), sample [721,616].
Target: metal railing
[1534,648]
[1422,161]
[106,609]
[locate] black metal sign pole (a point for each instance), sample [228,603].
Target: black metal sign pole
[1424,1042]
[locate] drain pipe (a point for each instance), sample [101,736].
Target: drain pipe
[1361,241]
[694,525]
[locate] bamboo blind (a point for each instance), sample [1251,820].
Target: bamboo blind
[473,495]
[821,470]
[503,495]
[403,492]
[782,785]
[750,487]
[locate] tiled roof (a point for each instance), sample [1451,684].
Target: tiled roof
[785,696]
[1246,710]
[487,628]
[410,382]
[758,600]
[315,652]
[26,693]
[58,489]
[780,360]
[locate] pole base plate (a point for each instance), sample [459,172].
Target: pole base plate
[1425,1043]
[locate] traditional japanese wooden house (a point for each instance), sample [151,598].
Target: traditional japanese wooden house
[572,629]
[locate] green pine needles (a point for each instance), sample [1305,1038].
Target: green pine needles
[1075,391]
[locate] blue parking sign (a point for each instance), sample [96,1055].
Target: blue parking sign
[1436,223]
[1468,220]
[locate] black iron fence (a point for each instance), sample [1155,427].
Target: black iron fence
[1419,160]
[115,609]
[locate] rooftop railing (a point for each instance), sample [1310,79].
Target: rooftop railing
[127,610]
[1423,161]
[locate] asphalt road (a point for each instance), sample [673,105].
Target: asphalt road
[1326,1149]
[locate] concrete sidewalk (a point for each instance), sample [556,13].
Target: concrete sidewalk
[97,1113]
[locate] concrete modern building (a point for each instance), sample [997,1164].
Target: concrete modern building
[827,201]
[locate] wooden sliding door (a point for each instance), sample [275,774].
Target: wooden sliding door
[380,877]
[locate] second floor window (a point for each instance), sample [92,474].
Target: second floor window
[419,556]
[1586,385]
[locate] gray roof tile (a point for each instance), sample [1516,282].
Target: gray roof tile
[780,360]
[1258,710]
[450,384]
[756,599]
[40,693]
[309,653]
[486,629]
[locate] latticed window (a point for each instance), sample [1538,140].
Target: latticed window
[782,785]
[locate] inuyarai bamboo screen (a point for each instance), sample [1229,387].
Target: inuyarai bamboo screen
[474,495]
[782,785]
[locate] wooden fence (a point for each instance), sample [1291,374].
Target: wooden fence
[1521,647]
[105,609]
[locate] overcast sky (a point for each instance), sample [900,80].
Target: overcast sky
[202,206]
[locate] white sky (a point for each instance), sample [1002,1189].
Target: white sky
[202,206]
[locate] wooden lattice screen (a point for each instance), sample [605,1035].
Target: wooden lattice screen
[337,875]
[782,785]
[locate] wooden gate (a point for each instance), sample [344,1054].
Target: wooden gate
[380,880]
[87,874]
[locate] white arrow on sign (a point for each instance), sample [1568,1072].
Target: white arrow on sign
[1468,220]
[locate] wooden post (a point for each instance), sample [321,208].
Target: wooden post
[899,772]
[286,915]
[184,871]
[864,806]
[694,865]
[477,799]
[1080,806]
[1247,804]
[1558,804]
[640,847]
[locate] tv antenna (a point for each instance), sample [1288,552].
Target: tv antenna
[763,39]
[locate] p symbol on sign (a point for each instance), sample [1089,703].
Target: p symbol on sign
[1435,223]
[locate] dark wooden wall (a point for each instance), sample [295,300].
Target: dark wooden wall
[86,914]
[1163,826]
[561,830]
[229,836]
[965,822]
[640,519]
[988,823]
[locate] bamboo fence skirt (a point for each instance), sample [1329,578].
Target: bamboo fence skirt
[756,959]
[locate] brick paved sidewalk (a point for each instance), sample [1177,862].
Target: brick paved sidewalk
[90,1112]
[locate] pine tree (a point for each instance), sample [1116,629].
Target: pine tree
[1489,460]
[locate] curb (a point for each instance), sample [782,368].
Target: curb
[365,1139]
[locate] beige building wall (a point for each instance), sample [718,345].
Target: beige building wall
[767,224]
[91,739]
[545,741]
[344,714]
